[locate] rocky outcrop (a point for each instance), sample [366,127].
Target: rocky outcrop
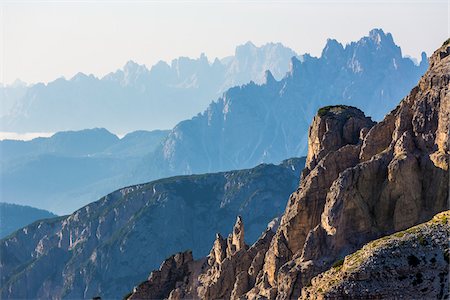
[228,271]
[171,273]
[334,144]
[332,128]
[361,181]
[108,246]
[411,264]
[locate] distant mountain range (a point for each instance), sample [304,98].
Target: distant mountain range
[70,169]
[109,245]
[135,97]
[14,217]
[256,123]
[249,125]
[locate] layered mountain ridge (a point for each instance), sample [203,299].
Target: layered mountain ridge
[70,169]
[362,181]
[14,217]
[136,97]
[108,245]
[256,123]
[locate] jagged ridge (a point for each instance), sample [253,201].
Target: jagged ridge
[382,179]
[108,245]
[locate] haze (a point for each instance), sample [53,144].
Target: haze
[43,40]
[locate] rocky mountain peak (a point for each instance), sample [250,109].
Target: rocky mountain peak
[130,66]
[423,59]
[237,237]
[332,128]
[377,35]
[268,77]
[162,281]
[332,49]
[294,65]
[218,251]
[244,50]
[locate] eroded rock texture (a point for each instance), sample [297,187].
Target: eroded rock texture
[411,264]
[361,181]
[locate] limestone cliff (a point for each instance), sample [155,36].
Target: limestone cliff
[361,181]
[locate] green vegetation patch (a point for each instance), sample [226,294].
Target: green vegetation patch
[326,109]
[442,218]
[338,264]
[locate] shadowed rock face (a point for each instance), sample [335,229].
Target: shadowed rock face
[109,245]
[164,280]
[361,181]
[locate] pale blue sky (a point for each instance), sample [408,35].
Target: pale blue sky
[43,40]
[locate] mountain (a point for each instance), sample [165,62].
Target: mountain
[269,122]
[362,181]
[10,94]
[421,257]
[13,217]
[69,143]
[70,169]
[107,246]
[135,97]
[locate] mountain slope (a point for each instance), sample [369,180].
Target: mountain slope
[69,143]
[13,217]
[420,256]
[70,169]
[361,182]
[255,123]
[135,97]
[106,246]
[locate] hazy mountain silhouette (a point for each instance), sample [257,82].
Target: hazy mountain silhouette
[136,97]
[249,125]
[14,217]
[71,169]
[256,123]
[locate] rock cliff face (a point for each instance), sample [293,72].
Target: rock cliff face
[107,246]
[361,181]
